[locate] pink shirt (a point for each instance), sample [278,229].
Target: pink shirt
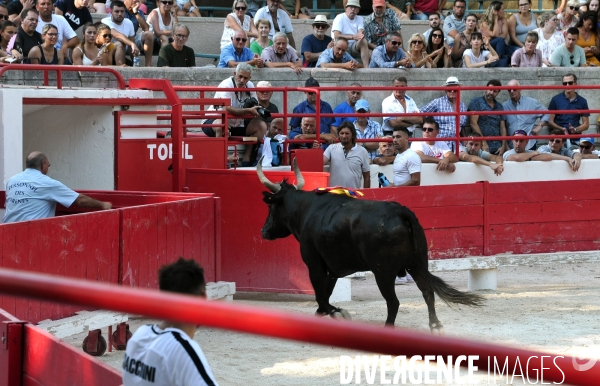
[520,58]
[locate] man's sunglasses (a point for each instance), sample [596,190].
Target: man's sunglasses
[428,129]
[167,2]
[5,17]
[240,8]
[395,43]
[107,36]
[588,147]
[241,40]
[568,83]
[573,8]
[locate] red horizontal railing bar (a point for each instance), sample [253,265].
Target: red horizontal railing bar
[351,335]
[465,113]
[59,69]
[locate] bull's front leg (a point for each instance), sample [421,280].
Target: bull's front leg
[322,283]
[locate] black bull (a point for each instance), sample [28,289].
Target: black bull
[340,235]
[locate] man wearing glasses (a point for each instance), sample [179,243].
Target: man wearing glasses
[434,152]
[532,124]
[280,21]
[455,23]
[381,23]
[177,54]
[557,150]
[313,45]
[122,31]
[569,54]
[391,54]
[237,52]
[569,100]
[519,152]
[27,36]
[586,148]
[447,104]
[350,26]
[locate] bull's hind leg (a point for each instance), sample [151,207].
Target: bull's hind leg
[434,324]
[385,282]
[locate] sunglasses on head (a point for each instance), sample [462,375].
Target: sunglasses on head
[573,8]
[521,132]
[568,83]
[585,147]
[240,8]
[428,129]
[241,40]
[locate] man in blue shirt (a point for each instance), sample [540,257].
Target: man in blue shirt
[347,107]
[337,57]
[489,125]
[32,195]
[313,45]
[575,123]
[390,55]
[236,53]
[308,107]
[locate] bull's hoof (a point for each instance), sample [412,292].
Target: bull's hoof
[437,329]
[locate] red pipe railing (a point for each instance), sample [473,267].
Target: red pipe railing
[59,70]
[352,335]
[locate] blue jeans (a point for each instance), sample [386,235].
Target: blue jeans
[502,50]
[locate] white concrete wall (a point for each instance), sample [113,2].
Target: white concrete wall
[78,140]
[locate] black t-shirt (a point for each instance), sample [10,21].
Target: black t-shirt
[272,109]
[76,17]
[24,43]
[14,8]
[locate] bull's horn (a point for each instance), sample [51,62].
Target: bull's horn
[299,178]
[274,188]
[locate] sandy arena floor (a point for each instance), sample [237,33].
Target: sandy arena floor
[544,307]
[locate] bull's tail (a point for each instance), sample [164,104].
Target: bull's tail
[447,293]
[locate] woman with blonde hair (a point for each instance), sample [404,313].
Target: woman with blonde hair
[263,41]
[238,20]
[521,23]
[416,51]
[46,53]
[549,36]
[569,17]
[495,26]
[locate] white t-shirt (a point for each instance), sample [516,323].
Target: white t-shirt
[406,163]
[437,150]
[164,357]
[392,105]
[475,59]
[346,26]
[283,20]
[126,27]
[64,29]
[236,98]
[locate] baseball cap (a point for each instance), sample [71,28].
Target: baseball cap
[590,140]
[362,104]
[378,3]
[452,81]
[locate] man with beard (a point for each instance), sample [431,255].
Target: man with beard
[434,22]
[313,45]
[349,163]
[123,32]
[472,152]
[455,23]
[381,23]
[489,125]
[347,107]
[67,38]
[337,57]
[280,55]
[390,55]
[27,36]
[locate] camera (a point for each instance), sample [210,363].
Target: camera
[251,102]
[383,181]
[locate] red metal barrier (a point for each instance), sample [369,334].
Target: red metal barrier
[59,69]
[351,335]
[125,245]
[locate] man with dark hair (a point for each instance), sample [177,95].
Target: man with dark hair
[67,38]
[166,353]
[489,125]
[32,195]
[308,107]
[435,152]
[347,107]
[15,10]
[569,54]
[472,152]
[455,23]
[569,99]
[390,54]
[519,152]
[27,36]
[556,148]
[407,165]
[349,163]
[399,102]
[123,32]
[144,39]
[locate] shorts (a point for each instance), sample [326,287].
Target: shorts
[353,51]
[140,45]
[234,131]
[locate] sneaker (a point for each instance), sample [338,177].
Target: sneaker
[400,280]
[409,278]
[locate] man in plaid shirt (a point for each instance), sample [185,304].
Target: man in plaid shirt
[446,104]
